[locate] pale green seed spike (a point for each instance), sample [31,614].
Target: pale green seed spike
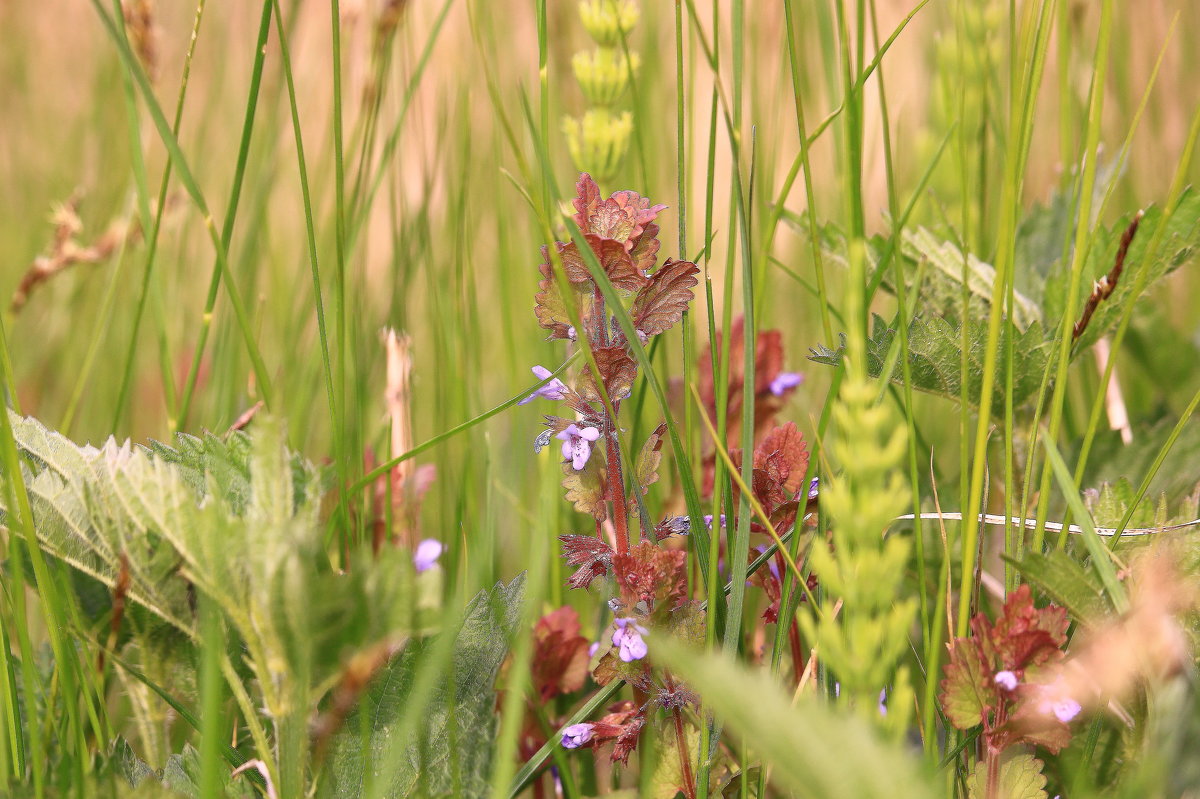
[608,21]
[604,74]
[598,141]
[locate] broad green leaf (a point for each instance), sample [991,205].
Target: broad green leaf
[935,347]
[585,487]
[164,514]
[1178,246]
[129,765]
[966,692]
[181,774]
[941,289]
[450,750]
[667,781]
[810,748]
[1020,778]
[645,469]
[1111,459]
[1066,582]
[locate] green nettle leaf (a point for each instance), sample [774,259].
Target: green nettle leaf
[661,303]
[1178,246]
[181,774]
[585,487]
[941,292]
[966,694]
[1020,777]
[1068,583]
[935,351]
[129,765]
[438,744]
[941,288]
[1111,459]
[668,781]
[172,517]
[617,370]
[645,469]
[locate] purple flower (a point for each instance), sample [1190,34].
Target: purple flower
[629,638]
[814,488]
[1006,680]
[576,735]
[772,566]
[428,551]
[554,390]
[1053,699]
[577,444]
[785,381]
[1066,709]
[883,702]
[593,648]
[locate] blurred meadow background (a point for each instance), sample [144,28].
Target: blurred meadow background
[403,174]
[438,240]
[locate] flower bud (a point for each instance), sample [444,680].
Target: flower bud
[604,73]
[598,141]
[607,21]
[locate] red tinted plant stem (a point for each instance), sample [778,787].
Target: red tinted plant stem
[600,317]
[685,763]
[993,754]
[797,650]
[616,481]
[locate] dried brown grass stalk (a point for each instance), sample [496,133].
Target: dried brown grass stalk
[66,251]
[1104,287]
[143,33]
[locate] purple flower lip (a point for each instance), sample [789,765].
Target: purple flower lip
[628,638]
[576,735]
[428,551]
[577,444]
[784,382]
[1054,700]
[1006,680]
[554,390]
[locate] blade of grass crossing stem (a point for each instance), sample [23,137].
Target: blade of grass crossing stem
[309,227]
[339,247]
[1082,235]
[66,661]
[1018,149]
[512,711]
[1170,205]
[211,730]
[1101,556]
[153,239]
[193,189]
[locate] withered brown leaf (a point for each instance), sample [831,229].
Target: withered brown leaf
[645,469]
[592,555]
[586,487]
[617,370]
[662,301]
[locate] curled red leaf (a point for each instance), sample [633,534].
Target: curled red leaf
[593,557]
[662,301]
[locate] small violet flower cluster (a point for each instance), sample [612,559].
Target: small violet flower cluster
[628,639]
[427,554]
[1053,699]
